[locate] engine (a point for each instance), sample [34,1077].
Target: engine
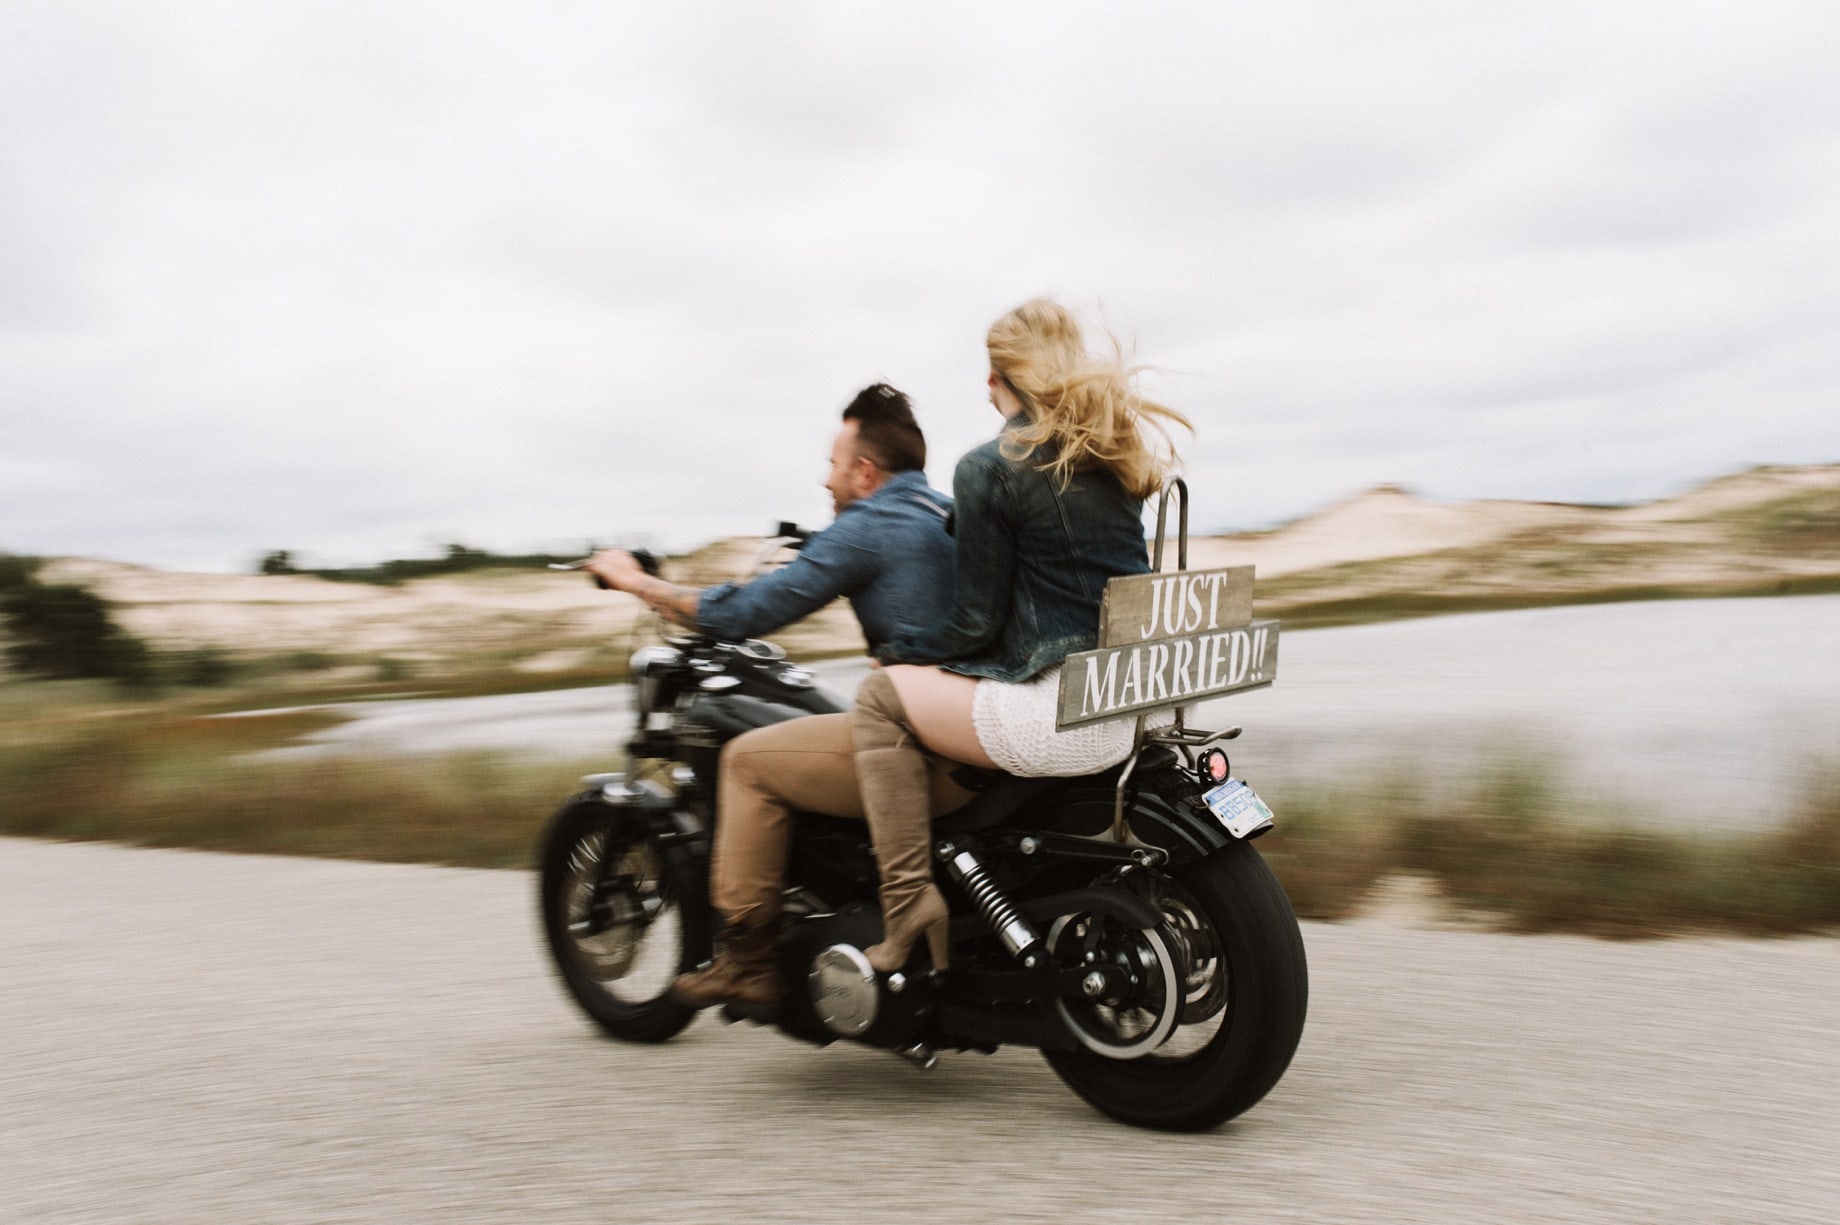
[842,996]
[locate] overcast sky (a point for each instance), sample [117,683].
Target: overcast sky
[359,279]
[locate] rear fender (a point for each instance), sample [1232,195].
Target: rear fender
[1160,813]
[1185,831]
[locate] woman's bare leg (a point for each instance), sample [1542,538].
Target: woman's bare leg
[938,705]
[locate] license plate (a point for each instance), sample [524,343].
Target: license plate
[1238,807]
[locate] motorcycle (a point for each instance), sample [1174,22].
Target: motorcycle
[1117,922]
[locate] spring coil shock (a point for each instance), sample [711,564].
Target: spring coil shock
[1017,934]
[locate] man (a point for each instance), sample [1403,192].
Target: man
[887,551]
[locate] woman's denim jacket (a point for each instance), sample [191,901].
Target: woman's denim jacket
[1032,564]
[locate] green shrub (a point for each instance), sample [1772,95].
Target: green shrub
[201,668]
[64,631]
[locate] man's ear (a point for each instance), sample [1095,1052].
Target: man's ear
[868,476]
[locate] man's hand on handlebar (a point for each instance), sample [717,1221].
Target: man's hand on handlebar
[617,569]
[637,574]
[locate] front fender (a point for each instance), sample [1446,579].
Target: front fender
[633,815]
[653,809]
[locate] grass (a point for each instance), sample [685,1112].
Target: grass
[1797,524]
[83,760]
[183,780]
[1494,847]
[1499,850]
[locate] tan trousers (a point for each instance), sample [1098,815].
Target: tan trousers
[808,765]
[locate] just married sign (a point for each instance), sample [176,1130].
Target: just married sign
[1168,640]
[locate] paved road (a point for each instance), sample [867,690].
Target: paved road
[206,1038]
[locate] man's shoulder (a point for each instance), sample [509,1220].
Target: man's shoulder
[866,525]
[906,496]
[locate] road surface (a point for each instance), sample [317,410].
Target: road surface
[194,1037]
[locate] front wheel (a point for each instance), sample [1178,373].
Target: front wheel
[1220,1007]
[623,917]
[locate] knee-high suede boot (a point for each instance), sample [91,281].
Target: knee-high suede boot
[892,773]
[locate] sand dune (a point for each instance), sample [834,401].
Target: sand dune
[1738,532]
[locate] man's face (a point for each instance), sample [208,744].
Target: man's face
[852,475]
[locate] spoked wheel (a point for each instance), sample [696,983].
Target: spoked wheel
[623,918]
[1216,1001]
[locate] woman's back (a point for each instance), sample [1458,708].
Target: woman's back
[1067,544]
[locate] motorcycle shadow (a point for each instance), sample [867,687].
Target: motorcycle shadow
[862,1084]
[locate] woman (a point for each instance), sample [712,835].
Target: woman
[1047,513]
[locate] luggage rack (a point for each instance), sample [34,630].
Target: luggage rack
[1177,735]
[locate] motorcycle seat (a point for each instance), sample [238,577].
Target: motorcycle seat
[1008,793]
[995,804]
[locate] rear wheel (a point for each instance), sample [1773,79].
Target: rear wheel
[1217,1005]
[623,917]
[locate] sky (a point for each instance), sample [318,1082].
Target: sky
[358,280]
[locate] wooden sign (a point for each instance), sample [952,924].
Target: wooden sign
[1113,682]
[1148,607]
[1169,640]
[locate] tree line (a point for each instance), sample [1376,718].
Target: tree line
[66,631]
[456,559]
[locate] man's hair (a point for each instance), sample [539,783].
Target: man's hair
[886,431]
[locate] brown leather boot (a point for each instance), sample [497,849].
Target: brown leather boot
[892,773]
[745,971]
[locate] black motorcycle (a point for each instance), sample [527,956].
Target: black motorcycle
[1116,922]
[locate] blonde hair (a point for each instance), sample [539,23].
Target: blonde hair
[1087,408]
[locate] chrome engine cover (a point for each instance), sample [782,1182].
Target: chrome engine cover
[844,992]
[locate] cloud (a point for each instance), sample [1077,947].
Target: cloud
[360,279]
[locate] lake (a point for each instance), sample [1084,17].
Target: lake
[1698,712]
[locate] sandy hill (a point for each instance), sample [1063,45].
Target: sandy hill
[1385,552]
[1386,521]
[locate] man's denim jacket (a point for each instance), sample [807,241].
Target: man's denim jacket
[888,552]
[1033,561]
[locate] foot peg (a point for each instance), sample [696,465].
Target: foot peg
[759,1014]
[920,1055]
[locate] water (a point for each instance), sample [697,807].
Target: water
[1696,712]
[1699,712]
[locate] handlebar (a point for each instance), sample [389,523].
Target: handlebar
[647,560]
[786,535]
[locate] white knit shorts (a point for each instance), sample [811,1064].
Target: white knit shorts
[1015,725]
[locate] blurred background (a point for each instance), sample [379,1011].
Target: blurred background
[1507,336]
[324,327]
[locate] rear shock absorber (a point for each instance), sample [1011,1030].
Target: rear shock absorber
[1017,934]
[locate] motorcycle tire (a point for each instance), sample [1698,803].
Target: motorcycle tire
[1242,1008]
[623,917]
